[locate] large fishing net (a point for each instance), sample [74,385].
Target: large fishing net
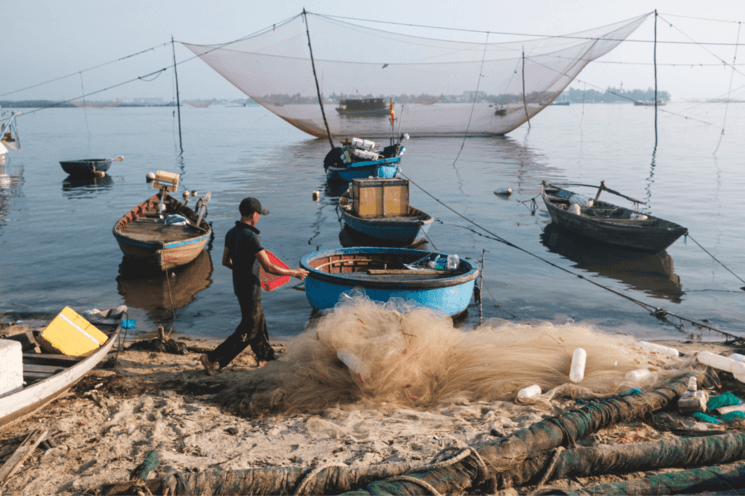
[393,356]
[438,87]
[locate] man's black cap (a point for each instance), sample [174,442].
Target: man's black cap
[250,205]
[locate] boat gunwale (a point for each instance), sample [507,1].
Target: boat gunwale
[392,284]
[412,220]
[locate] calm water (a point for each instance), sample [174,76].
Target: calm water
[56,246]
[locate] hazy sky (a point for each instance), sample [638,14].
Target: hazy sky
[48,39]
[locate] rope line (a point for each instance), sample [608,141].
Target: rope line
[549,470]
[426,485]
[715,258]
[729,91]
[657,312]
[313,473]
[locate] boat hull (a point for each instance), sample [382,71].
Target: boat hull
[449,294]
[383,169]
[29,399]
[85,168]
[403,232]
[633,236]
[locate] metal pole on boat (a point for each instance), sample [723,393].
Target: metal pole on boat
[178,103]
[318,88]
[655,78]
[525,105]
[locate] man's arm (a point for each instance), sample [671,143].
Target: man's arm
[270,268]
[226,261]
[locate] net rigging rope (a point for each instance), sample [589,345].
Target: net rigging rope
[732,76]
[657,312]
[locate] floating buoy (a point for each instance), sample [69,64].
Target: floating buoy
[503,191]
[194,192]
[150,176]
[316,195]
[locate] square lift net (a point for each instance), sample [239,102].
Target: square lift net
[432,83]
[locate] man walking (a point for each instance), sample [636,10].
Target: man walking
[243,253]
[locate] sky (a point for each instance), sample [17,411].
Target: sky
[44,40]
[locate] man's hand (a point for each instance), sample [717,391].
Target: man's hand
[300,274]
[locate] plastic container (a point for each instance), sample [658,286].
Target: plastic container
[639,375]
[354,363]
[362,143]
[692,384]
[738,357]
[659,348]
[529,392]
[577,370]
[453,262]
[365,154]
[722,363]
[503,191]
[574,209]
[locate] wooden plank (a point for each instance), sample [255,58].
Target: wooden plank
[45,369]
[21,454]
[51,357]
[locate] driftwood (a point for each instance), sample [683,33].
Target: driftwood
[20,455]
[504,454]
[624,458]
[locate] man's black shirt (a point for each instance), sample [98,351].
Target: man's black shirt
[243,243]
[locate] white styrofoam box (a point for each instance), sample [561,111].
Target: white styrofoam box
[11,367]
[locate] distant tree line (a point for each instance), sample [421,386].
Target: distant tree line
[613,95]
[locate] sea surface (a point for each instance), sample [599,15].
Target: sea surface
[57,247]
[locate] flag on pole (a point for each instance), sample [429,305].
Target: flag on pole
[393,114]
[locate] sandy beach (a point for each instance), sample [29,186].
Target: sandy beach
[143,400]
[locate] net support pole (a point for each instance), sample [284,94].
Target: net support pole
[525,104]
[318,88]
[655,78]
[178,102]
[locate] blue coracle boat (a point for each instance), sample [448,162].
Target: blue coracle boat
[383,274]
[398,230]
[357,159]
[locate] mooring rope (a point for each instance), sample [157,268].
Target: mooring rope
[660,313]
[715,258]
[549,470]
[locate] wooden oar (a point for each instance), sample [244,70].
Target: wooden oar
[603,187]
[203,208]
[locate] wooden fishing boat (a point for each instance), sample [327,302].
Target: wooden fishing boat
[47,376]
[363,107]
[608,223]
[385,273]
[146,233]
[402,228]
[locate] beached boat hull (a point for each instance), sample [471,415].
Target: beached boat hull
[162,253]
[390,230]
[333,273]
[651,235]
[29,399]
[383,169]
[86,168]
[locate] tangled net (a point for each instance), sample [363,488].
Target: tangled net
[401,356]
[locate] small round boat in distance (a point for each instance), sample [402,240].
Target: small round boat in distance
[384,273]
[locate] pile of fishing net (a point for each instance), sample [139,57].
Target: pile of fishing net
[395,355]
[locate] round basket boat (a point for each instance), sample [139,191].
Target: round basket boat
[382,274]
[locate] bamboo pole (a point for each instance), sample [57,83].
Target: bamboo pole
[318,88]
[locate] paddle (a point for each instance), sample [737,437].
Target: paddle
[203,207]
[603,187]
[270,282]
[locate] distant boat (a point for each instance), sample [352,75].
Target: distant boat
[89,167]
[198,104]
[608,223]
[9,136]
[343,164]
[427,100]
[364,107]
[385,273]
[561,103]
[94,104]
[649,104]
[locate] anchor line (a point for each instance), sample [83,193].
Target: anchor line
[660,313]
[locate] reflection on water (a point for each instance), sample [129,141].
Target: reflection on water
[147,289]
[11,180]
[74,188]
[651,273]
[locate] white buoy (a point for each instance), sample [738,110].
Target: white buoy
[503,191]
[692,383]
[574,209]
[659,348]
[354,363]
[722,363]
[639,375]
[738,357]
[316,195]
[577,370]
[529,392]
[150,176]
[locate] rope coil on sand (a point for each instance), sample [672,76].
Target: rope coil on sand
[463,453]
[407,478]
[311,475]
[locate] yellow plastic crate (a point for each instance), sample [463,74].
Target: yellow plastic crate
[71,334]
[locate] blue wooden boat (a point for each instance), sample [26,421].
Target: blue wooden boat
[383,274]
[90,167]
[357,159]
[399,230]
[386,168]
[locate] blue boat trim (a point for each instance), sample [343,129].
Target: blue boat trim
[157,244]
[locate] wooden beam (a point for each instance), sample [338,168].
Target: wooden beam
[21,454]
